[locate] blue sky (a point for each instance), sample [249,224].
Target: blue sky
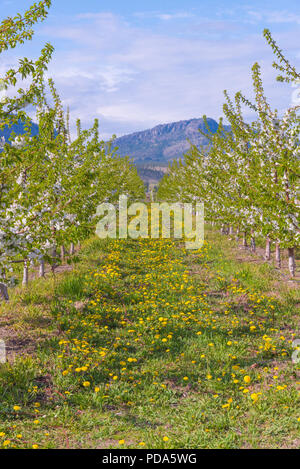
[137,64]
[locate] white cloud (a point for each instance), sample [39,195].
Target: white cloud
[173,16]
[164,16]
[133,77]
[275,16]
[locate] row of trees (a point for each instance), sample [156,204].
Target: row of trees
[249,175]
[50,186]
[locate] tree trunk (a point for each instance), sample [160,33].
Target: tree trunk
[42,269]
[25,274]
[4,292]
[245,245]
[72,249]
[292,263]
[54,258]
[79,245]
[268,249]
[237,237]
[231,230]
[253,244]
[54,252]
[278,255]
[62,252]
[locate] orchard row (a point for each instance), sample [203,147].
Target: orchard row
[50,185]
[248,176]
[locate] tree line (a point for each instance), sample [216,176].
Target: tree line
[249,176]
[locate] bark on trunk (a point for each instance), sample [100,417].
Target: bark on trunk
[62,252]
[253,244]
[54,258]
[54,252]
[3,292]
[268,249]
[231,230]
[245,245]
[278,255]
[72,249]
[42,269]
[292,263]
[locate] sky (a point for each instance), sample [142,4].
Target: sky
[134,65]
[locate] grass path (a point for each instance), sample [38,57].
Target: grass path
[145,345]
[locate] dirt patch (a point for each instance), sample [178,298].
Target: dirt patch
[17,344]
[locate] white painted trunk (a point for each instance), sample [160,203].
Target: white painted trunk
[268,249]
[292,263]
[42,269]
[278,255]
[25,274]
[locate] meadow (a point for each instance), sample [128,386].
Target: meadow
[143,344]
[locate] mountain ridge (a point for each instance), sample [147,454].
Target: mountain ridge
[18,129]
[164,142]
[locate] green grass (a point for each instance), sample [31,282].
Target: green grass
[162,348]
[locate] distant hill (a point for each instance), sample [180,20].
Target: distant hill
[151,174]
[164,142]
[18,129]
[150,149]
